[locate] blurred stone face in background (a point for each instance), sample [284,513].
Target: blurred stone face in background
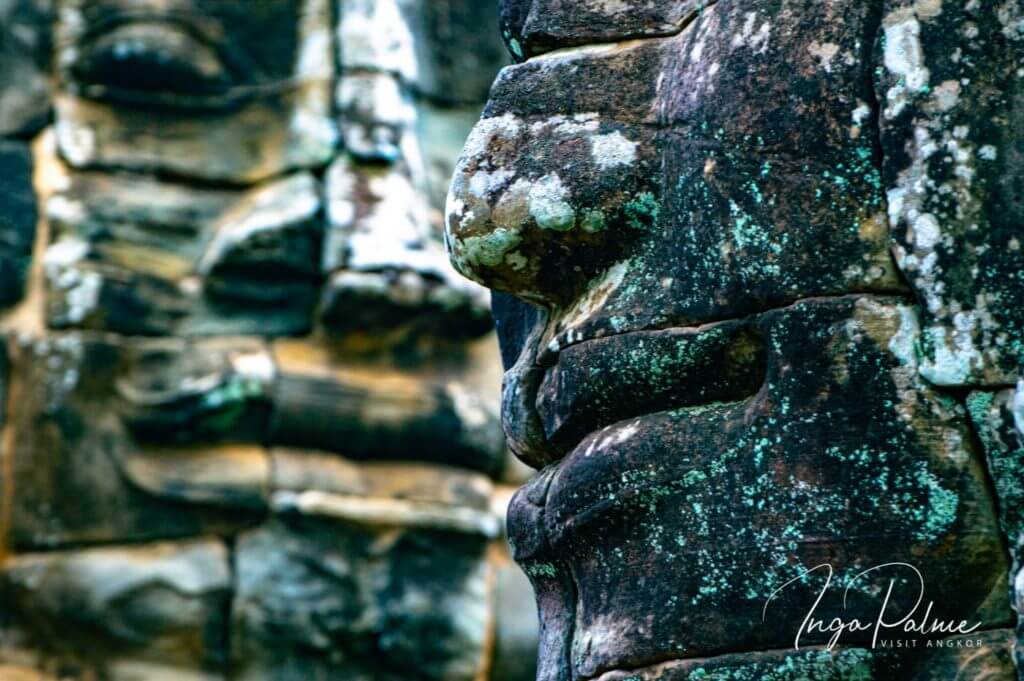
[251,428]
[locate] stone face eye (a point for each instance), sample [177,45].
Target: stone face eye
[135,62]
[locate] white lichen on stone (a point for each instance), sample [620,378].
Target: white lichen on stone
[824,53]
[757,39]
[612,150]
[904,58]
[549,205]
[505,127]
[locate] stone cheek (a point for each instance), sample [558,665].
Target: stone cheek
[949,84]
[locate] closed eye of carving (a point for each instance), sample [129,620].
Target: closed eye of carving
[140,61]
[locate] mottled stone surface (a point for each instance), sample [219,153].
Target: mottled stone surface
[243,94]
[141,257]
[994,417]
[70,473]
[532,27]
[981,656]
[1017,584]
[998,419]
[458,50]
[952,136]
[737,506]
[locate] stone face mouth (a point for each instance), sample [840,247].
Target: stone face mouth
[602,381]
[557,395]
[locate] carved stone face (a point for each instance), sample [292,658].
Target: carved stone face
[728,376]
[253,412]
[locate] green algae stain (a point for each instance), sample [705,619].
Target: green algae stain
[642,212]
[489,249]
[539,569]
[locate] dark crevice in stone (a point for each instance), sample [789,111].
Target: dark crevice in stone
[192,181]
[990,484]
[978,445]
[872,37]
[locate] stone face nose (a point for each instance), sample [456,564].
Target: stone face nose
[386,272]
[539,205]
